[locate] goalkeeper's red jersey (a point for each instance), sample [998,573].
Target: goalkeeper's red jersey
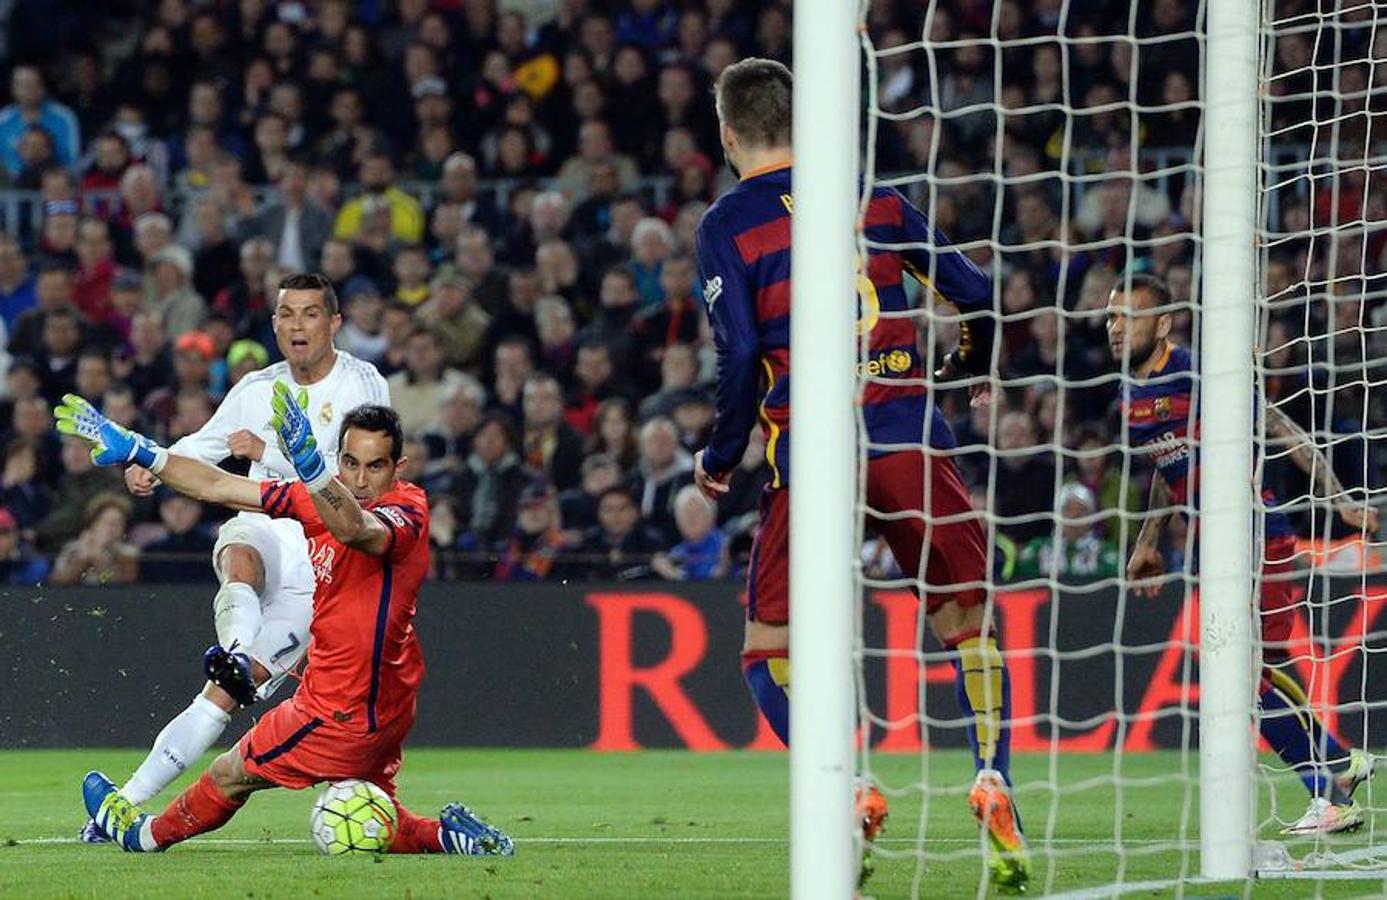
[743,247]
[364,661]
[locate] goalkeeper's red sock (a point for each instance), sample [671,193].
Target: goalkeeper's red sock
[415,834]
[767,673]
[199,809]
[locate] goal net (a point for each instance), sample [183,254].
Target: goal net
[1061,146]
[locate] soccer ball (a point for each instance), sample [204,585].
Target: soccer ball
[353,818]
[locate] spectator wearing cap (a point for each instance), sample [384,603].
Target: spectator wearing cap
[243,357]
[295,225]
[1073,553]
[17,283]
[96,269]
[182,551]
[460,324]
[182,308]
[58,238]
[551,447]
[362,333]
[31,108]
[20,564]
[701,553]
[536,546]
[416,391]
[377,176]
[193,352]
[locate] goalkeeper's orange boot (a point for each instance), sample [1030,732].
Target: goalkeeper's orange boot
[1008,858]
[870,809]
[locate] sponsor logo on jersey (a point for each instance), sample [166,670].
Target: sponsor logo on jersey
[712,290]
[321,557]
[886,363]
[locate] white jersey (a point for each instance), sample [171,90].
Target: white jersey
[351,383]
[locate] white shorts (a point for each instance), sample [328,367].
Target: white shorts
[286,603]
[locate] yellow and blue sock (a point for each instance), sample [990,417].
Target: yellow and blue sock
[1297,736]
[768,676]
[983,688]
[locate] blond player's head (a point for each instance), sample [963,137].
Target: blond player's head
[306,318]
[753,103]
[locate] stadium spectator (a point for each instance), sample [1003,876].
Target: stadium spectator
[80,482]
[1025,486]
[613,433]
[363,319]
[411,270]
[147,365]
[558,344]
[17,285]
[512,363]
[96,270]
[100,554]
[678,383]
[702,551]
[578,505]
[242,357]
[487,490]
[244,299]
[183,551]
[57,358]
[550,446]
[20,564]
[620,546]
[23,495]
[448,439]
[536,547]
[293,223]
[1074,553]
[173,296]
[473,257]
[32,109]
[377,177]
[215,253]
[662,469]
[416,391]
[52,292]
[193,353]
[652,242]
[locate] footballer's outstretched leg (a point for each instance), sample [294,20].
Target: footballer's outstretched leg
[457,830]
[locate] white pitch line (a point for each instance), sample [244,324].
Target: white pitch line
[957,841]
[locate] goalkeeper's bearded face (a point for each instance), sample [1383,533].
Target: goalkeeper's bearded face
[365,465]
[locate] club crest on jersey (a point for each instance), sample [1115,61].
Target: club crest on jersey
[325,414]
[712,290]
[1161,409]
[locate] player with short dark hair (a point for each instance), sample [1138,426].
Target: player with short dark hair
[744,262]
[368,535]
[1158,402]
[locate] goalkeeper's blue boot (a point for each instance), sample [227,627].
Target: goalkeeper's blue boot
[113,814]
[464,833]
[91,833]
[230,671]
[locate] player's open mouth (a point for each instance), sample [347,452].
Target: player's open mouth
[298,342]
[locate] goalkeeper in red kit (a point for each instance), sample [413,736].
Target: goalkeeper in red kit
[917,500]
[367,530]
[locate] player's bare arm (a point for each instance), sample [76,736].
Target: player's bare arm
[1146,563]
[368,468]
[196,479]
[1310,460]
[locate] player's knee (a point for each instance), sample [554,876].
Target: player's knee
[952,621]
[241,563]
[229,775]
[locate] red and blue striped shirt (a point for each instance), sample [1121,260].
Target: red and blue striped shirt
[744,264]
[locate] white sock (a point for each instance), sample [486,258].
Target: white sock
[182,743]
[236,612]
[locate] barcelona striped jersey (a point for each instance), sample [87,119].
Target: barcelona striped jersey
[744,264]
[1158,410]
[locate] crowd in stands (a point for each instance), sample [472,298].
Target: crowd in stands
[504,196]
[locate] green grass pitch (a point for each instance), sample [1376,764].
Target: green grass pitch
[650,824]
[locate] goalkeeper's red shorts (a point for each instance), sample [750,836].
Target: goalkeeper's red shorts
[296,749]
[1279,590]
[955,567]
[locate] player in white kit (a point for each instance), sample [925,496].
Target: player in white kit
[263,607]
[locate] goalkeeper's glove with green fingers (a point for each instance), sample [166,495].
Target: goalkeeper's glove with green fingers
[112,444]
[290,422]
